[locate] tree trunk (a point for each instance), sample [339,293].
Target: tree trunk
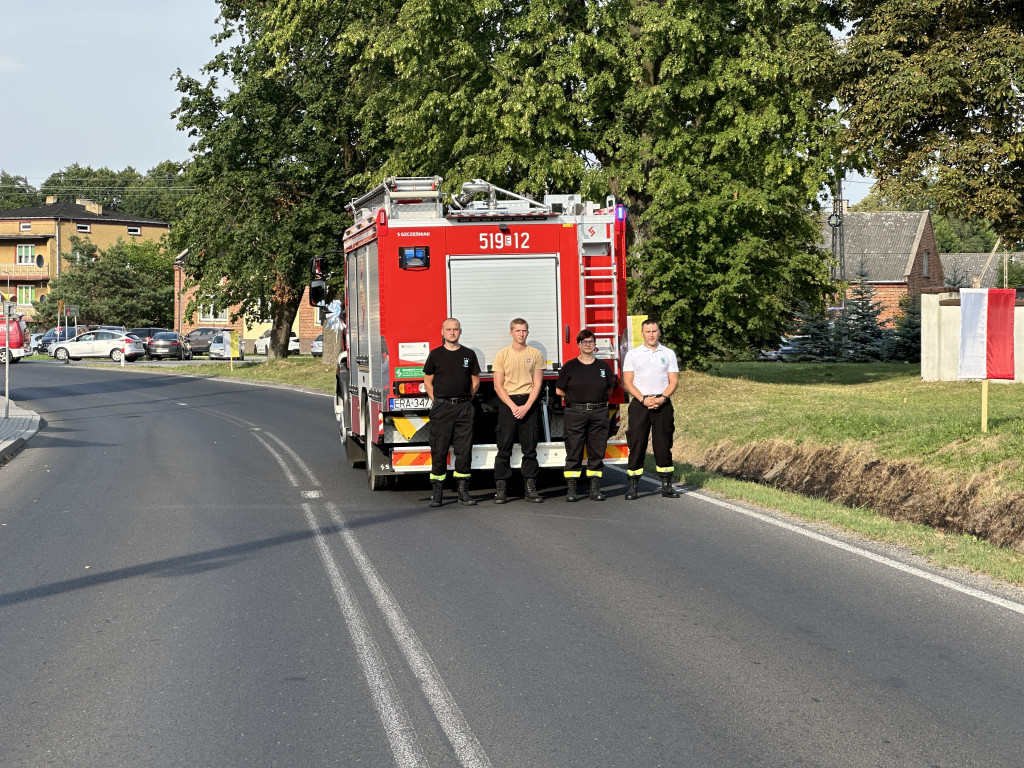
[281,331]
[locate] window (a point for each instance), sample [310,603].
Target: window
[926,263]
[84,228]
[134,230]
[26,226]
[26,295]
[26,254]
[208,313]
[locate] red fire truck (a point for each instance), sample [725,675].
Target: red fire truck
[415,256]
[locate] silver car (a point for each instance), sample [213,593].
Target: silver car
[99,344]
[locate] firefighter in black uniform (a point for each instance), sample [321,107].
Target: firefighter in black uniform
[452,377]
[585,382]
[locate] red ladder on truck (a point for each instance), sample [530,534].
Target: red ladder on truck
[599,302]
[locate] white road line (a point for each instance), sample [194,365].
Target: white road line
[279,459]
[401,735]
[913,571]
[313,479]
[467,748]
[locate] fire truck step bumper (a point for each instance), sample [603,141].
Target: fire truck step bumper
[416,458]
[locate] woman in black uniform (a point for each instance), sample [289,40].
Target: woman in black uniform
[585,383]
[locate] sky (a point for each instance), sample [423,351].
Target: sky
[96,89]
[92,84]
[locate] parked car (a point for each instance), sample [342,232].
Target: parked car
[148,333]
[316,349]
[789,347]
[34,346]
[219,349]
[99,344]
[169,344]
[262,344]
[200,339]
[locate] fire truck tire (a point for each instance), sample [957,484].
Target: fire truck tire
[373,457]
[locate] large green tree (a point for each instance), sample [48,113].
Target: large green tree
[129,283]
[934,98]
[717,131]
[710,120]
[16,192]
[269,180]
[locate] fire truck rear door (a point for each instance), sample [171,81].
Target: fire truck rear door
[487,292]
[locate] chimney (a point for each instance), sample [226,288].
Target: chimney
[845,205]
[90,206]
[51,199]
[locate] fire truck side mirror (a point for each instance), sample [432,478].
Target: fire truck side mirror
[318,267]
[317,292]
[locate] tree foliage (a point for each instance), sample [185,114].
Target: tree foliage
[154,195]
[903,344]
[860,334]
[934,98]
[16,192]
[270,174]
[130,284]
[711,121]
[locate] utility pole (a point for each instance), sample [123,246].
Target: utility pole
[836,222]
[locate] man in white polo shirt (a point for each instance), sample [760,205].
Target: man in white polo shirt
[650,373]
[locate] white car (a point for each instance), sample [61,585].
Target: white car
[316,349]
[262,344]
[99,344]
[219,350]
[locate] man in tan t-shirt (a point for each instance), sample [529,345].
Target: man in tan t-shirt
[518,375]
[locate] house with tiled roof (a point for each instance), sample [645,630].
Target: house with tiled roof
[897,251]
[35,242]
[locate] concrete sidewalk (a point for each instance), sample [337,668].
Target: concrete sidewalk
[17,429]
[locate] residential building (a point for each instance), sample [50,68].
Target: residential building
[977,270]
[35,242]
[896,249]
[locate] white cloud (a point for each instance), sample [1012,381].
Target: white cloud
[10,64]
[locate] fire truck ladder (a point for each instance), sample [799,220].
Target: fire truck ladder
[599,305]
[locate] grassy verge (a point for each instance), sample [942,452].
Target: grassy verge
[885,410]
[303,371]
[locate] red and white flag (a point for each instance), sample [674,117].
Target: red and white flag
[986,333]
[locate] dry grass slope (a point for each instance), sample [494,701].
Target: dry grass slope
[856,478]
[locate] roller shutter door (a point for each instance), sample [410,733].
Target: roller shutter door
[486,293]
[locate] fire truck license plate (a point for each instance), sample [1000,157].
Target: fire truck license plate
[409,403]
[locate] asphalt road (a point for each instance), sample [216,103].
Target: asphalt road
[190,575]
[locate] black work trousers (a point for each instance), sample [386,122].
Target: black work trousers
[585,428]
[658,425]
[451,425]
[512,430]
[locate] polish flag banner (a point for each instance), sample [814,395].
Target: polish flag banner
[986,333]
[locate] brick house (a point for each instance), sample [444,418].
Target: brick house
[898,251]
[35,242]
[306,323]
